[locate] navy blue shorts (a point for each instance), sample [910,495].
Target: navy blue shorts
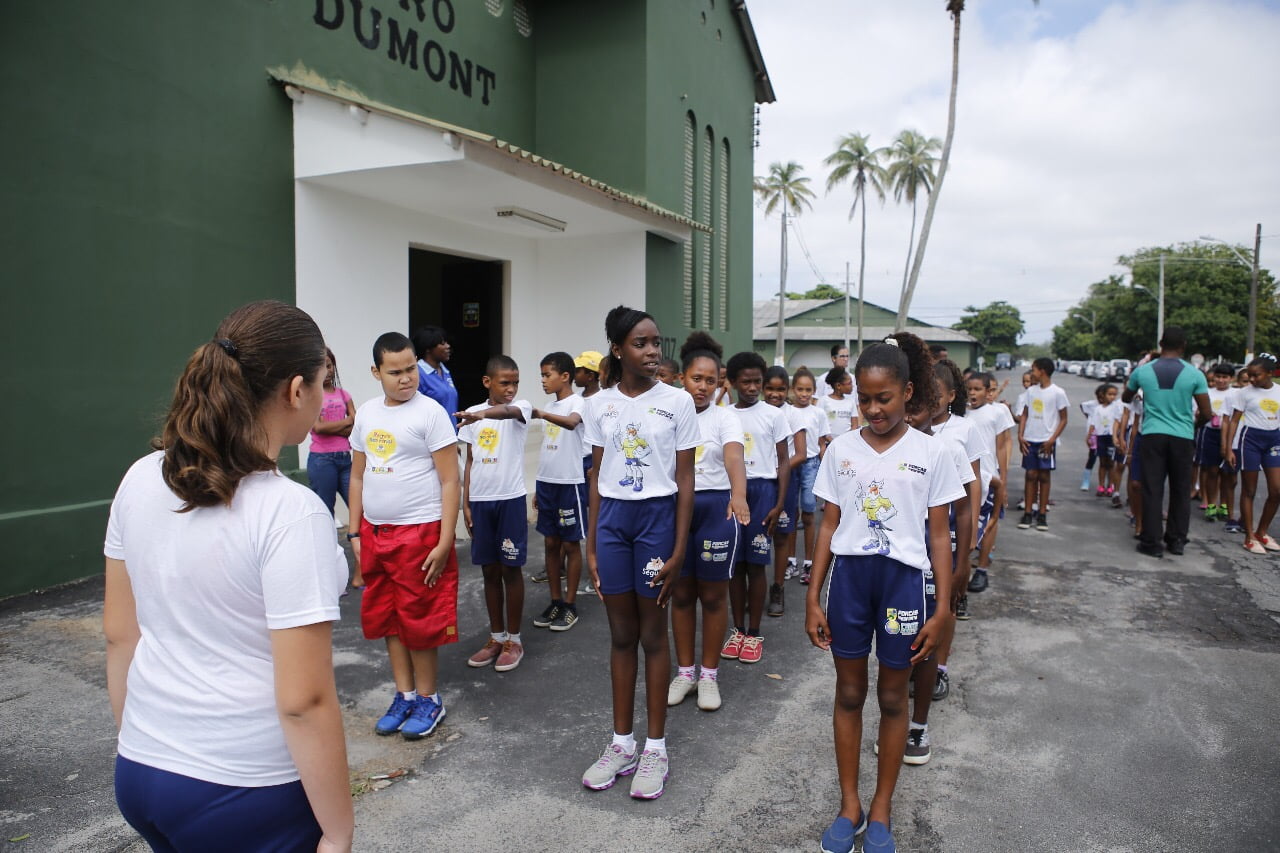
[633,541]
[789,520]
[877,597]
[562,510]
[1209,447]
[713,539]
[499,532]
[757,547]
[173,812]
[1106,448]
[1259,448]
[1036,461]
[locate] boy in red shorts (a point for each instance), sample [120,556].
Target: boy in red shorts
[404,493]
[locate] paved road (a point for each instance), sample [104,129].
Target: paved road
[1102,701]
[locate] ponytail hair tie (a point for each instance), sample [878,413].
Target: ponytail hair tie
[228,347]
[893,342]
[1266,356]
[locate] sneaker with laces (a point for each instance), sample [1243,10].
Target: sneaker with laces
[918,751]
[487,655]
[565,619]
[1026,521]
[708,694]
[804,575]
[395,717]
[752,649]
[613,762]
[546,617]
[840,835]
[979,581]
[426,715]
[733,646]
[540,577]
[681,686]
[962,608]
[651,775]
[942,687]
[1042,522]
[510,657]
[776,605]
[1232,525]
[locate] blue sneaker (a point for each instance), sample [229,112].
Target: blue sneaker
[395,716]
[878,840]
[424,718]
[839,836]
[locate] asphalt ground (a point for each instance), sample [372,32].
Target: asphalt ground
[1101,701]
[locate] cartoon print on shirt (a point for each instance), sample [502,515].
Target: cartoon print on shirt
[634,448]
[878,509]
[488,440]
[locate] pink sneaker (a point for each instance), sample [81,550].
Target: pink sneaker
[752,650]
[486,655]
[733,645]
[512,654]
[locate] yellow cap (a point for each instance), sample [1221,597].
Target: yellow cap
[590,360]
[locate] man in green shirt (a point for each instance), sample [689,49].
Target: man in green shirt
[1169,386]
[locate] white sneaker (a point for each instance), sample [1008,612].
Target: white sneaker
[613,762]
[681,686]
[651,776]
[708,694]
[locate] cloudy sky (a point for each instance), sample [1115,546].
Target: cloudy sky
[1085,129]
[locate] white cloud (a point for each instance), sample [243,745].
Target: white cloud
[1151,123]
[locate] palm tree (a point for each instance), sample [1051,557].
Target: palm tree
[784,185]
[854,160]
[911,170]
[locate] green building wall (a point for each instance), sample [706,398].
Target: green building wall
[148,186]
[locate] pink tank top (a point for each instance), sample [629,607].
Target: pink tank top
[334,409]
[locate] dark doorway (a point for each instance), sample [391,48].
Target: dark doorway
[464,297]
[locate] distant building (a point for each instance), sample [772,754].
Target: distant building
[812,326]
[507,169]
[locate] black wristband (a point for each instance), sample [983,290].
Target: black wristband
[351,536]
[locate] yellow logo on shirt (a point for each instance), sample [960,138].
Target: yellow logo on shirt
[381,443]
[488,440]
[551,431]
[749,445]
[1271,407]
[1037,406]
[698,453]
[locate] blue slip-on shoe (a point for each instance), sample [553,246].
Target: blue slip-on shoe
[878,840]
[839,836]
[424,718]
[395,716]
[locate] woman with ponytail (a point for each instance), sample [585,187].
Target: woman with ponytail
[222,579]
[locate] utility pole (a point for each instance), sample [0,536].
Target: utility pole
[1253,294]
[859,313]
[846,305]
[780,355]
[1160,315]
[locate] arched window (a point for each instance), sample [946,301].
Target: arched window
[722,237]
[690,134]
[706,172]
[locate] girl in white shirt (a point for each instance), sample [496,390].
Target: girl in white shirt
[817,432]
[1257,407]
[719,508]
[840,405]
[222,580]
[881,482]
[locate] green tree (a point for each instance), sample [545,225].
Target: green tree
[785,186]
[996,326]
[855,161]
[911,171]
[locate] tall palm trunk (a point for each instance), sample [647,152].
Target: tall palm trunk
[862,266]
[780,355]
[904,305]
[906,266]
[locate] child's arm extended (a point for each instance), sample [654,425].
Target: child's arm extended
[802,450]
[504,412]
[937,629]
[570,421]
[815,619]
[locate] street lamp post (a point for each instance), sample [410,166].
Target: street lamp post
[1092,317]
[1253,283]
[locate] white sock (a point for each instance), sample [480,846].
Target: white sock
[709,673]
[499,637]
[515,638]
[658,745]
[916,725]
[687,672]
[808,564]
[435,697]
[942,667]
[409,695]
[791,561]
[627,742]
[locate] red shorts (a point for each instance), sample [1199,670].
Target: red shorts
[397,601]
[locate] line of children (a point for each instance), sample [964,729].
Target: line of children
[719,512]
[870,477]
[810,417]
[993,422]
[1102,420]
[765,434]
[1209,445]
[776,389]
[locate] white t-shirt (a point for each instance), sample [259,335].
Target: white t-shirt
[989,421]
[1087,407]
[497,454]
[717,427]
[401,485]
[888,492]
[1230,403]
[839,413]
[1105,419]
[813,420]
[963,434]
[820,386]
[640,437]
[763,426]
[1261,406]
[1043,407]
[964,466]
[210,585]
[1217,402]
[560,459]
